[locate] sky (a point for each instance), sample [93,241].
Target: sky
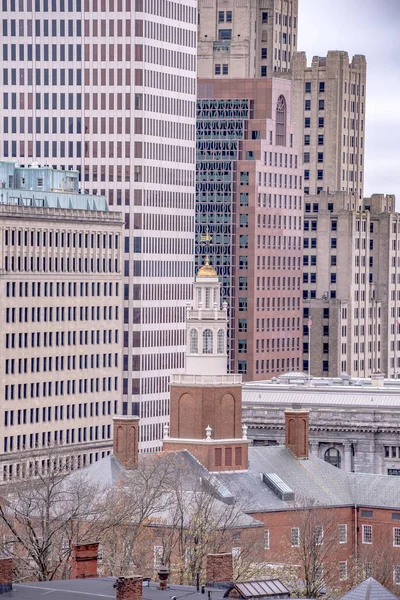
[372,28]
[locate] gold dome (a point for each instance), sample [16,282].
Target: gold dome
[207,270]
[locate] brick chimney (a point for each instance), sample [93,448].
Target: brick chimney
[129,588]
[5,575]
[219,568]
[296,432]
[125,441]
[84,560]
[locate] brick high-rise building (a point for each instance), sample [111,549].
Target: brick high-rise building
[351,285]
[246,38]
[249,218]
[328,100]
[108,87]
[61,314]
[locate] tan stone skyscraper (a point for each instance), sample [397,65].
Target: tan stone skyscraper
[246,38]
[328,100]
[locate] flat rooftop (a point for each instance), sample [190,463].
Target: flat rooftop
[101,587]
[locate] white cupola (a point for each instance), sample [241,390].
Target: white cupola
[206,326]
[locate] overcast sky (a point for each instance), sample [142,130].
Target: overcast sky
[370,27]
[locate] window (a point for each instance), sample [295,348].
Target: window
[321,104]
[343,534]
[224,34]
[333,242]
[367,513]
[322,86]
[307,122]
[343,570]
[367,534]
[306,157]
[207,341]
[263,71]
[295,537]
[396,536]
[332,456]
[264,17]
[306,140]
[307,105]
[194,341]
[158,556]
[263,52]
[320,174]
[281,121]
[320,157]
[307,87]
[217,69]
[266,539]
[320,140]
[320,121]
[225,69]
[221,341]
[221,16]
[319,534]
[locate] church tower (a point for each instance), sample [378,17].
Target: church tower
[206,401]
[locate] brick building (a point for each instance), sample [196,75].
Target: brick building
[249,213]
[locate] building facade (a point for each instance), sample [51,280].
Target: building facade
[109,89]
[351,285]
[61,314]
[246,38]
[354,423]
[329,101]
[249,218]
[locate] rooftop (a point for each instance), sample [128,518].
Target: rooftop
[369,590]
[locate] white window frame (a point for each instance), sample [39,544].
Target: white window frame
[396,536]
[343,570]
[367,538]
[266,539]
[319,534]
[343,533]
[396,574]
[236,552]
[295,537]
[157,556]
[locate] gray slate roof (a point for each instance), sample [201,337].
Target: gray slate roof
[369,590]
[312,480]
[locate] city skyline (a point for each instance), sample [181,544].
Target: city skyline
[382,126]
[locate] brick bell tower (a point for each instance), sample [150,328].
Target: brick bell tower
[206,401]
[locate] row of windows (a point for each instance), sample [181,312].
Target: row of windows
[71,289]
[277,365]
[207,342]
[270,344]
[17,264]
[275,283]
[67,436]
[61,313]
[23,391]
[57,413]
[38,364]
[269,324]
[34,339]
[19,237]
[270,304]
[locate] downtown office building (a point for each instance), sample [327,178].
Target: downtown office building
[109,88]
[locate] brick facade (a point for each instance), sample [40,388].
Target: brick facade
[126,439]
[296,432]
[219,568]
[228,455]
[5,575]
[195,407]
[129,588]
[84,560]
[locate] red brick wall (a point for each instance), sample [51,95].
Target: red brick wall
[219,568]
[84,560]
[129,588]
[224,456]
[296,432]
[125,440]
[5,575]
[193,408]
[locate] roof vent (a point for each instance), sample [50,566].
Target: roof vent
[217,489]
[279,487]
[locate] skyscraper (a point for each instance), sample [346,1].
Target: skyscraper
[249,218]
[328,101]
[108,88]
[246,38]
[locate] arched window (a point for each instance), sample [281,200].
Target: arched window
[207,341]
[221,341]
[281,121]
[208,297]
[194,341]
[332,456]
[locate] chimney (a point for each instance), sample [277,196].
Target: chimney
[5,575]
[219,569]
[84,560]
[129,588]
[125,440]
[296,432]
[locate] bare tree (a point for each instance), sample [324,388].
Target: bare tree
[41,517]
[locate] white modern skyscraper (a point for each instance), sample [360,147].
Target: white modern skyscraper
[108,87]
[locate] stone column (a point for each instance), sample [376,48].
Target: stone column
[347,457]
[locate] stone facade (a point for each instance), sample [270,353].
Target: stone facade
[246,38]
[351,285]
[356,428]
